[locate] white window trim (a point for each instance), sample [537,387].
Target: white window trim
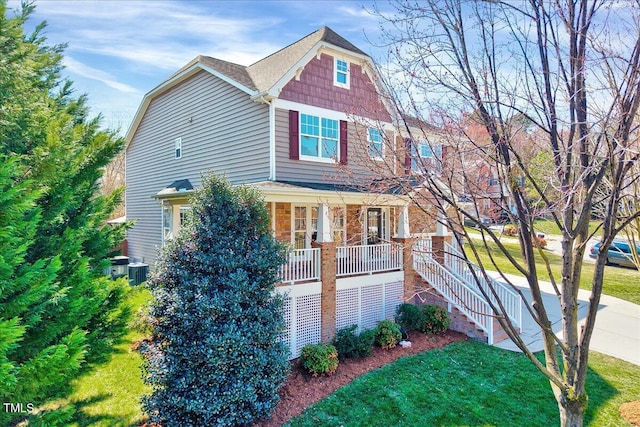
[309,224]
[343,210]
[182,212]
[177,148]
[166,214]
[370,141]
[386,223]
[318,159]
[434,148]
[346,85]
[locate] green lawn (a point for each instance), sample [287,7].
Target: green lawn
[109,394]
[469,383]
[466,383]
[619,282]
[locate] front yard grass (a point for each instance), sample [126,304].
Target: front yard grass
[619,282]
[109,394]
[469,383]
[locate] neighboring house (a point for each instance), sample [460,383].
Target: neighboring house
[302,125]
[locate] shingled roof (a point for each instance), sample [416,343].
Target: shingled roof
[265,73]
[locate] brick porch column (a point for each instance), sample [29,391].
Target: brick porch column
[437,246]
[328,297]
[410,275]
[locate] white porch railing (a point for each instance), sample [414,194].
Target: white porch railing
[455,291]
[368,259]
[301,265]
[465,270]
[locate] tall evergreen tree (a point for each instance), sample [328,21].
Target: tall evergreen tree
[216,357]
[57,309]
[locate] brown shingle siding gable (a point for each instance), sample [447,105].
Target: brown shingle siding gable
[266,72]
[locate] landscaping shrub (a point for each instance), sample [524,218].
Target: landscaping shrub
[319,359]
[216,356]
[409,317]
[436,319]
[541,241]
[365,342]
[350,344]
[387,334]
[510,230]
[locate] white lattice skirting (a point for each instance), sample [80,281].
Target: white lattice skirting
[362,301]
[365,300]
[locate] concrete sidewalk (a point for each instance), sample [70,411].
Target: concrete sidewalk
[616,332]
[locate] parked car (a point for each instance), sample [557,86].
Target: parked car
[619,253]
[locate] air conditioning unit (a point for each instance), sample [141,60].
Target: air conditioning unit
[138,273]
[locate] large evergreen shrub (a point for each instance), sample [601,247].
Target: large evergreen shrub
[216,357]
[58,311]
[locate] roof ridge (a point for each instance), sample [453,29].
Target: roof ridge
[286,47]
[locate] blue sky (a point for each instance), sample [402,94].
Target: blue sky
[119,50]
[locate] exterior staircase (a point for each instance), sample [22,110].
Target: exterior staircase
[461,283]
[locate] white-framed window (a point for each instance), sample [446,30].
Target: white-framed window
[178,148]
[341,73]
[492,182]
[425,156]
[184,210]
[167,223]
[429,151]
[305,226]
[376,143]
[339,216]
[319,138]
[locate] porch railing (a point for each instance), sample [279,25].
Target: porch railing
[301,265]
[455,291]
[466,270]
[368,259]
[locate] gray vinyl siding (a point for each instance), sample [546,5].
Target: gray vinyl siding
[309,171]
[222,131]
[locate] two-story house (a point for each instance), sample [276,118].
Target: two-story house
[304,125]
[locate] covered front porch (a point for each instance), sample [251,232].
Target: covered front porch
[365,231]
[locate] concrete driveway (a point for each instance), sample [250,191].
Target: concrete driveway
[616,332]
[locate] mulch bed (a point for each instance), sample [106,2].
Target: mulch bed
[302,390]
[630,412]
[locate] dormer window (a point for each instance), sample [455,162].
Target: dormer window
[341,73]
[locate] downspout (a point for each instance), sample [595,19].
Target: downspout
[272,141]
[272,134]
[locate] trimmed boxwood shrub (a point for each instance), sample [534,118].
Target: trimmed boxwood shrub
[387,334]
[409,317]
[319,359]
[436,319]
[351,344]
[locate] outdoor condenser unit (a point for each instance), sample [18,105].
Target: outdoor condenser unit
[138,273]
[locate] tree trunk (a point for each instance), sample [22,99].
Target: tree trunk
[571,409]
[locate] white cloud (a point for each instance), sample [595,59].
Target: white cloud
[88,72]
[164,35]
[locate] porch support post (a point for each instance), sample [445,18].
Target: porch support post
[441,228]
[324,224]
[411,278]
[328,296]
[403,223]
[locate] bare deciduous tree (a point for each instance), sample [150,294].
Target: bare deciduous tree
[564,75]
